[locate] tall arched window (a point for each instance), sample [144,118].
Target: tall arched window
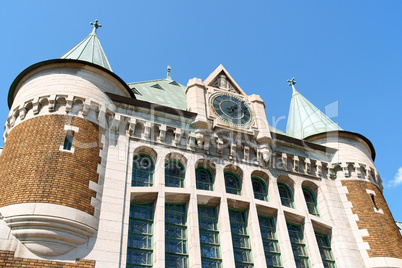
[204,178]
[174,174]
[143,170]
[260,189]
[286,195]
[232,183]
[311,201]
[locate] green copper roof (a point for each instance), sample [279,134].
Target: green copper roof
[89,49]
[166,92]
[305,119]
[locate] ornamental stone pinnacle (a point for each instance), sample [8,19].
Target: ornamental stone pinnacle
[169,69]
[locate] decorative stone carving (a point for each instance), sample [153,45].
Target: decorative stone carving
[47,229]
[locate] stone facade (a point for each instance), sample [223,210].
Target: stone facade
[55,179]
[75,204]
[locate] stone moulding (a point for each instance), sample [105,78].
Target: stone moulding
[45,234]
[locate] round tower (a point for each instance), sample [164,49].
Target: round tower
[52,164]
[354,165]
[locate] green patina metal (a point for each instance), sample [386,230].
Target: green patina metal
[305,119]
[89,49]
[166,92]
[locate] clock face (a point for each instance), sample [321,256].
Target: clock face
[231,109]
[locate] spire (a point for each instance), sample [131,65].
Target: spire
[304,118]
[89,49]
[169,69]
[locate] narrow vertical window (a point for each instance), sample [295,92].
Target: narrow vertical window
[311,201]
[240,238]
[174,174]
[204,178]
[176,235]
[298,245]
[270,241]
[232,183]
[209,237]
[260,189]
[140,229]
[143,170]
[286,195]
[374,203]
[68,141]
[325,250]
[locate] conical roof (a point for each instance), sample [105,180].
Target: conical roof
[89,49]
[305,119]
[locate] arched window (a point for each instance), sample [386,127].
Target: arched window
[204,178]
[286,195]
[232,183]
[174,174]
[311,201]
[260,189]
[143,170]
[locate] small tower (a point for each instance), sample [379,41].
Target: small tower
[53,156]
[376,234]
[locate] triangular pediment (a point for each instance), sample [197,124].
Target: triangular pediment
[220,78]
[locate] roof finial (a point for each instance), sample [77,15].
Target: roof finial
[292,82]
[168,72]
[96,26]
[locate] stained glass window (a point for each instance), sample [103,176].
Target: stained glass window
[143,170]
[325,249]
[286,195]
[311,201]
[176,254]
[298,245]
[205,179]
[240,238]
[233,184]
[260,189]
[209,237]
[139,248]
[270,241]
[174,174]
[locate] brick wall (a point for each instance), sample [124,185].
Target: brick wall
[7,259]
[34,170]
[384,237]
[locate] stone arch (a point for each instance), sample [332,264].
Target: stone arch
[43,103]
[146,150]
[169,136]
[60,103]
[235,169]
[208,164]
[78,105]
[178,157]
[261,174]
[139,129]
[155,133]
[311,185]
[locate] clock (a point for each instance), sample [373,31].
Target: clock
[231,109]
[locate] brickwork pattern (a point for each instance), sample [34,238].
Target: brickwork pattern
[384,237]
[7,259]
[34,170]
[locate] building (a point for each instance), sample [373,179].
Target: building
[97,172]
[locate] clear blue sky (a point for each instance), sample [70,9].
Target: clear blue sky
[345,51]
